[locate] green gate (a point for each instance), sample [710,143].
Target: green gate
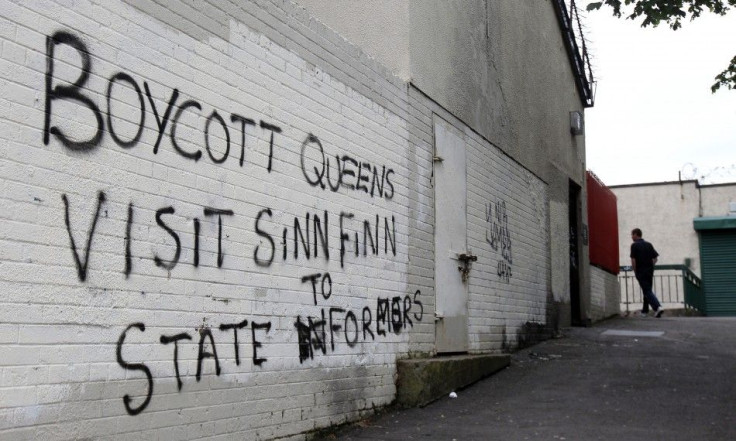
[718,264]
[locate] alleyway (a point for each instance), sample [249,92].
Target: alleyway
[622,379]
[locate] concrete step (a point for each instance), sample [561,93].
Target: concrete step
[423,380]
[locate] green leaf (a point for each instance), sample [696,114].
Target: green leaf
[727,78]
[673,12]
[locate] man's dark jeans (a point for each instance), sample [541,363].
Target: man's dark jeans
[645,279]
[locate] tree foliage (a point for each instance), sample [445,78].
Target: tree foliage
[673,12]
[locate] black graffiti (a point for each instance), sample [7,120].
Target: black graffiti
[205,332]
[312,240]
[134,367]
[335,327]
[196,243]
[160,262]
[349,318]
[344,237]
[208,211]
[392,317]
[174,124]
[161,122]
[352,174]
[216,116]
[70,92]
[165,339]
[324,279]
[75,92]
[81,262]
[128,254]
[503,270]
[206,349]
[122,76]
[318,334]
[273,129]
[388,238]
[82,265]
[359,238]
[311,336]
[235,327]
[367,323]
[301,237]
[498,236]
[257,344]
[262,233]
[243,122]
[418,318]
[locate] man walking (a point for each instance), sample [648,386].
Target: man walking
[643,257]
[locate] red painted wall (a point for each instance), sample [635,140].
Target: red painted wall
[602,225]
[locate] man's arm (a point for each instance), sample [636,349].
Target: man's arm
[633,264]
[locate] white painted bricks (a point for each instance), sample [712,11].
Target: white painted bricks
[164,267]
[138,247]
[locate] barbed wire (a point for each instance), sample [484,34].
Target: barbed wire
[708,175]
[581,37]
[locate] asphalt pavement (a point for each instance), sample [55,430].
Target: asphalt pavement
[627,378]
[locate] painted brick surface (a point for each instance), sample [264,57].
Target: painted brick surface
[507,208]
[219,223]
[508,230]
[603,294]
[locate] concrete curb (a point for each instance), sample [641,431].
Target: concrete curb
[421,381]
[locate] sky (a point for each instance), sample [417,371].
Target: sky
[654,113]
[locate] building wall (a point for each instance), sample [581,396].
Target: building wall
[178,259]
[665,212]
[716,200]
[501,68]
[124,295]
[605,292]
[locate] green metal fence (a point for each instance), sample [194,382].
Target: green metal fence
[675,286]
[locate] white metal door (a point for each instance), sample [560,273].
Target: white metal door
[450,239]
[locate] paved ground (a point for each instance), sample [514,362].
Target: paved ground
[672,378]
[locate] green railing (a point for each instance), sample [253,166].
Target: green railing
[675,286]
[694,295]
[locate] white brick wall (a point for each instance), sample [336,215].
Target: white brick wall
[508,297]
[603,294]
[507,229]
[61,377]
[79,335]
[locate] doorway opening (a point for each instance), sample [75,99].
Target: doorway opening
[574,222]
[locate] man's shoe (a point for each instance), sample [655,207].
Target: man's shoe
[642,314]
[659,312]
